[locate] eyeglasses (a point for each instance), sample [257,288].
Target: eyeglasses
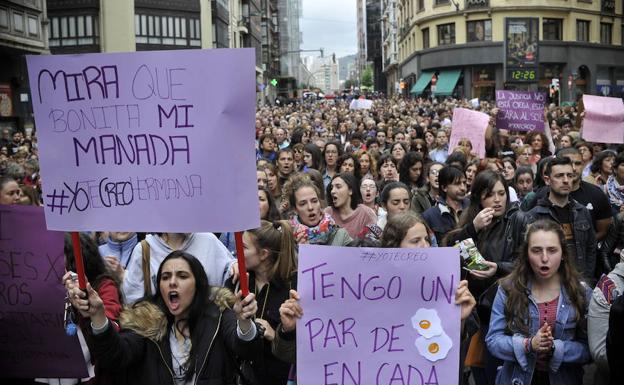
[419,149]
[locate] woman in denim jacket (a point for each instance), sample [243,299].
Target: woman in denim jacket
[538,324]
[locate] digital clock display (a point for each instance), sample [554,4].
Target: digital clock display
[522,75]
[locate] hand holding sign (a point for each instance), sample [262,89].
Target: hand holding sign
[465,299]
[290,311]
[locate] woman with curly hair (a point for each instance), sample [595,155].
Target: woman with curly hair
[411,171]
[538,325]
[539,143]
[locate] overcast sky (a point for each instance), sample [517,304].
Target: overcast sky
[330,24]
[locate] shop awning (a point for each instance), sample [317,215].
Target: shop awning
[422,83]
[447,80]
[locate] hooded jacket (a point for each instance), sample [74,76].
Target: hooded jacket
[141,351]
[213,255]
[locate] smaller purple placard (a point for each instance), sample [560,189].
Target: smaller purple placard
[520,110]
[33,343]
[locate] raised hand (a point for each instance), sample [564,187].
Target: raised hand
[290,311]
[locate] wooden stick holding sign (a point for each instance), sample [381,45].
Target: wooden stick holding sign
[242,268]
[82,280]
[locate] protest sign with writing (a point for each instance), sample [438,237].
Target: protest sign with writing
[33,342]
[378,316]
[604,119]
[147,141]
[470,125]
[520,110]
[361,104]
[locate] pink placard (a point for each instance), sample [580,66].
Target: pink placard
[604,119]
[472,126]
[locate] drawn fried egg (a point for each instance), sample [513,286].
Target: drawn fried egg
[427,323]
[435,348]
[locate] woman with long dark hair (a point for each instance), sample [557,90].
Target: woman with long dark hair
[411,171]
[312,157]
[169,337]
[485,221]
[538,325]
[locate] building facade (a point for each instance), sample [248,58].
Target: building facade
[290,37]
[23,31]
[389,48]
[360,61]
[474,47]
[373,43]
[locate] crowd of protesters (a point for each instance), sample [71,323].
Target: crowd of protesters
[545,209]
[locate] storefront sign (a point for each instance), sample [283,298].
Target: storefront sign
[521,49]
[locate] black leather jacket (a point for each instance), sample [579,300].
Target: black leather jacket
[584,234]
[608,255]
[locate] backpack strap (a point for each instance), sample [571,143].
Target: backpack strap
[147,275]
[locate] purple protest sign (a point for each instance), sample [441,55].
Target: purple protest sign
[147,141]
[378,316]
[470,125]
[33,342]
[520,110]
[604,119]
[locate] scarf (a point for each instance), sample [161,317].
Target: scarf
[615,191]
[317,235]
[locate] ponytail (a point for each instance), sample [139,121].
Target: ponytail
[278,238]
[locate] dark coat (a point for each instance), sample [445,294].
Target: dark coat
[584,234]
[142,350]
[267,368]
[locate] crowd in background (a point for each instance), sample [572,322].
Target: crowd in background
[543,208]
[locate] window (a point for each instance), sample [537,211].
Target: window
[440,2]
[167,30]
[33,26]
[446,34]
[4,18]
[582,30]
[480,30]
[18,22]
[606,30]
[425,32]
[421,5]
[73,30]
[553,29]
